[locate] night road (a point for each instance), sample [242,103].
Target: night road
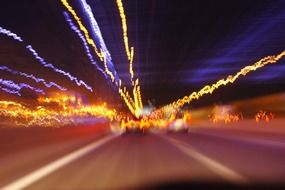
[142,94]
[218,156]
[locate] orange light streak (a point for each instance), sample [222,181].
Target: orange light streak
[69,110]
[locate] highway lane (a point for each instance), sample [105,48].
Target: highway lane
[23,150]
[132,161]
[250,157]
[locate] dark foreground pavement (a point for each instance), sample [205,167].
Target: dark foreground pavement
[93,158]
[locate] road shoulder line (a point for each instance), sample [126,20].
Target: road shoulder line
[223,171]
[36,175]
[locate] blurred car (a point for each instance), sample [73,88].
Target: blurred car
[178,125]
[135,130]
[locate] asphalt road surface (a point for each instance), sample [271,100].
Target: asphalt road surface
[91,157]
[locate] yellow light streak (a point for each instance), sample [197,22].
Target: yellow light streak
[130,51]
[139,97]
[131,64]
[124,28]
[82,28]
[127,101]
[209,89]
[138,106]
[106,67]
[136,97]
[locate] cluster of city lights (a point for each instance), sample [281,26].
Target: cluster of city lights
[263,116]
[54,111]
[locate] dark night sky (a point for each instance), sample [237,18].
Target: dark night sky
[179,45]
